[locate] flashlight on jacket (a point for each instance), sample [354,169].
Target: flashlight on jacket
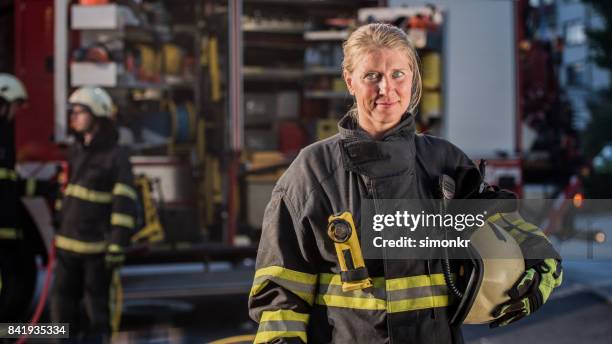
[354,274]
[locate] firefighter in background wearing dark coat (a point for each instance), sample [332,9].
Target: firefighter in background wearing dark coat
[17,257]
[12,95]
[97,217]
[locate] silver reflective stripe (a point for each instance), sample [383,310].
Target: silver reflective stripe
[291,285]
[332,289]
[418,292]
[284,326]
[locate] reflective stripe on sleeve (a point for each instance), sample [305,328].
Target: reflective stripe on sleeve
[331,294]
[299,283]
[123,220]
[78,246]
[10,234]
[30,187]
[5,173]
[281,324]
[121,189]
[393,295]
[86,194]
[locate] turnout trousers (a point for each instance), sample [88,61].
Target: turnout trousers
[82,282]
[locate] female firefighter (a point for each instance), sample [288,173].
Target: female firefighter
[307,290]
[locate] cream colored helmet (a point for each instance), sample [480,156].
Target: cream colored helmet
[95,99]
[496,266]
[11,89]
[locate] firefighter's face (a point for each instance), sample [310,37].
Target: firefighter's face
[81,120]
[382,85]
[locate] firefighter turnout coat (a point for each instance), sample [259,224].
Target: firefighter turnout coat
[297,294]
[99,203]
[12,188]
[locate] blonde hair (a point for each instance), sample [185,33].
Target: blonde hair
[371,37]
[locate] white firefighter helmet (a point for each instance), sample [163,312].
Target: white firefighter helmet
[95,99]
[11,89]
[496,266]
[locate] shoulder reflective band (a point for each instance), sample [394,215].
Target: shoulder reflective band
[8,174]
[79,246]
[121,189]
[299,283]
[393,295]
[30,187]
[123,220]
[10,234]
[281,324]
[85,194]
[341,229]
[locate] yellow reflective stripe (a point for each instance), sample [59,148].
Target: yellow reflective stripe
[78,246]
[235,339]
[415,282]
[517,220]
[418,303]
[58,204]
[494,218]
[121,189]
[282,323]
[9,233]
[115,301]
[85,194]
[351,302]
[123,220]
[393,288]
[30,187]
[8,174]
[528,227]
[268,336]
[287,274]
[300,283]
[335,279]
[284,315]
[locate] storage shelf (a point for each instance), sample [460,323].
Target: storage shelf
[327,95]
[329,35]
[102,17]
[109,75]
[184,29]
[336,3]
[333,71]
[271,74]
[272,29]
[272,45]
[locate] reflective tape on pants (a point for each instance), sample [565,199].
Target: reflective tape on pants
[79,246]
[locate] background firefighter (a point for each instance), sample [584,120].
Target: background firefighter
[17,265]
[97,217]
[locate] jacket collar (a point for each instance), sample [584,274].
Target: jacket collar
[349,129]
[393,154]
[105,137]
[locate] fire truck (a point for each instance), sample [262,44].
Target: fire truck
[188,181]
[186,166]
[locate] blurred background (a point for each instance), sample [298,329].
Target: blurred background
[216,97]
